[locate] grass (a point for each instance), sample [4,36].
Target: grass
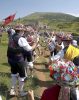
[4,67]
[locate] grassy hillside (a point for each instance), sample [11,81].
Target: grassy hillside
[50,16]
[56,21]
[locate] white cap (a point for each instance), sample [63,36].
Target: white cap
[74,42]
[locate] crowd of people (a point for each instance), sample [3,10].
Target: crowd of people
[64,55]
[63,47]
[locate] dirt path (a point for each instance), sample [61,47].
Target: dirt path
[40,72]
[42,78]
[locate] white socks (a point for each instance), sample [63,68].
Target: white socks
[14,79]
[21,85]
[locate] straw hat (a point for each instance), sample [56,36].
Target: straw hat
[29,29]
[67,37]
[60,34]
[20,27]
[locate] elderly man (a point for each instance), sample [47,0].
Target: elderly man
[15,53]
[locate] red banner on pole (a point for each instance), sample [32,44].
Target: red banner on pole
[9,19]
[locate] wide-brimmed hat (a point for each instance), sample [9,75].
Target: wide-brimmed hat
[60,34]
[20,27]
[30,29]
[67,37]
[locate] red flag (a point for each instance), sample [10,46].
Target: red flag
[9,19]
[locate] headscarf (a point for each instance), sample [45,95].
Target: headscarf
[64,73]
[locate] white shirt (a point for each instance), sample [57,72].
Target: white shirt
[74,42]
[22,42]
[12,31]
[51,45]
[62,45]
[59,55]
[53,38]
[77,93]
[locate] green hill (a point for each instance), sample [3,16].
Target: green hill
[55,21]
[50,16]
